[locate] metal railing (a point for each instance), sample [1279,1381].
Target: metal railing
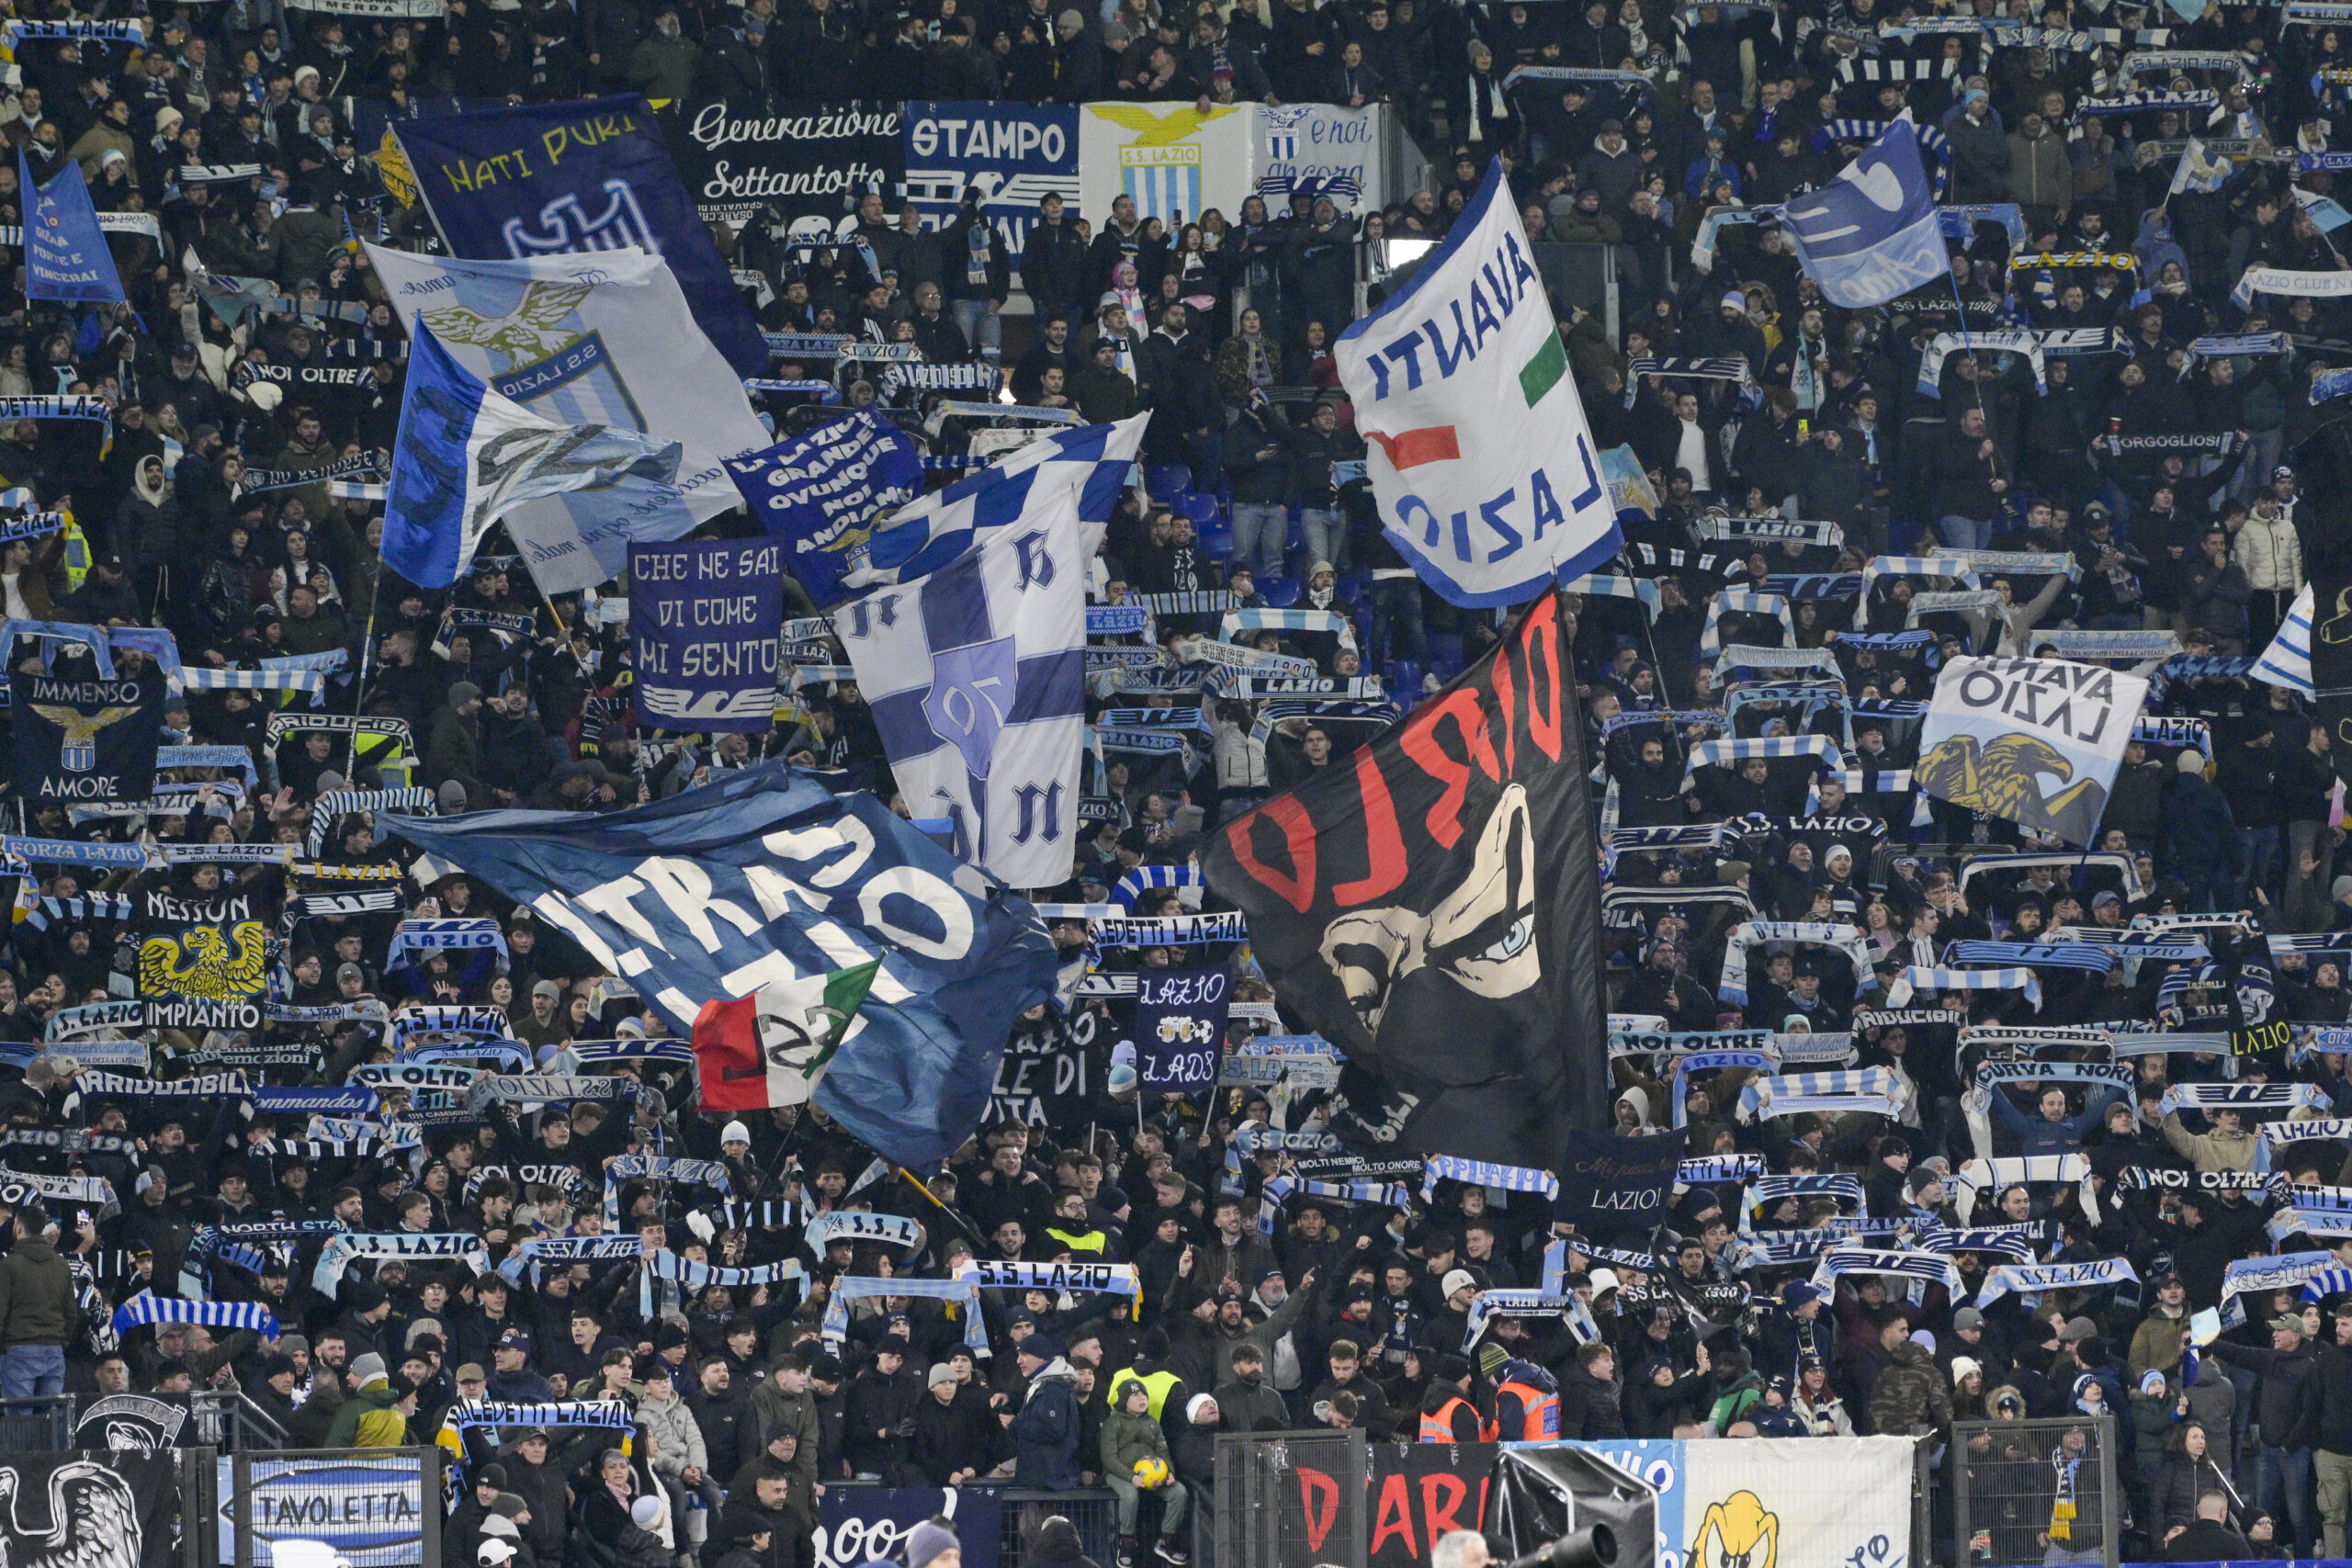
[38,1422]
[2031,1492]
[1292,1499]
[230,1421]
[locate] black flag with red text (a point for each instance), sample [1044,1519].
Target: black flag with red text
[1432,906]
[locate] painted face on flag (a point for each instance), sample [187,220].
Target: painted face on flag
[1419,901]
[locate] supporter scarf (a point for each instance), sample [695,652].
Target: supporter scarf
[1921,1268]
[1931,363]
[693,1277]
[484,1022]
[1275,1193]
[2121,1075]
[2145,1178]
[271,1099]
[861,1225]
[1795,1094]
[541,1249]
[1480,1173]
[2032,1280]
[78,405]
[1908,1018]
[2244,1097]
[2288,280]
[2017,1242]
[32,527]
[851,1287]
[504,1052]
[74,852]
[1102,1279]
[1715,1170]
[71,1141]
[443,936]
[210,1086]
[383,1076]
[361,1146]
[660,1167]
[368,1011]
[1712,1061]
[96,1191]
[1781,1249]
[367,901]
[1979,1175]
[757,1213]
[546,1089]
[2308,1222]
[259,480]
[1733,985]
[610,1415]
[68,1022]
[1766,1189]
[147,1307]
[1624,1043]
[1489,1304]
[343,803]
[2286,1271]
[1929,978]
[2328,1282]
[338,1253]
[2330,384]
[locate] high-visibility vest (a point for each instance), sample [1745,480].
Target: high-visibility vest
[1156,1384]
[1541,1412]
[77,555]
[1439,1428]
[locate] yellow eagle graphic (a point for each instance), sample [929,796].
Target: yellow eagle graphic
[199,964]
[1999,780]
[529,332]
[1151,130]
[78,753]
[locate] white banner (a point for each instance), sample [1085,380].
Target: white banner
[1174,161]
[600,338]
[1321,150]
[2034,741]
[1825,1500]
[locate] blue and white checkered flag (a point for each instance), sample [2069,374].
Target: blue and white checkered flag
[976,675]
[1092,462]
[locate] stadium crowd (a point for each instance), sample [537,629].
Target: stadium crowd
[1789,448]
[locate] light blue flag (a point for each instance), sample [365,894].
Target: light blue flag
[65,254]
[468,457]
[1872,233]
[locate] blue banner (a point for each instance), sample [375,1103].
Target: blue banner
[858,1525]
[766,877]
[558,179]
[65,254]
[705,616]
[818,494]
[1016,153]
[1180,1026]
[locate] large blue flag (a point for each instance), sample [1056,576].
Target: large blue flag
[821,493]
[65,253]
[1871,233]
[466,456]
[555,179]
[767,878]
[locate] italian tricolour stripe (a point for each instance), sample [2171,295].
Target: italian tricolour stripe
[1481,460]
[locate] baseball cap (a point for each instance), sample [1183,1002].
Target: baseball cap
[514,1340]
[471,1373]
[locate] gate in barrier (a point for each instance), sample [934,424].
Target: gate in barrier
[1292,1499]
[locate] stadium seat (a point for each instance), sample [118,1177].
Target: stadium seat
[1281,592]
[1201,508]
[1165,480]
[1216,539]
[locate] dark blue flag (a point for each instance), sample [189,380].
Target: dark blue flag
[86,740]
[1180,1026]
[820,494]
[558,179]
[767,876]
[704,618]
[65,254]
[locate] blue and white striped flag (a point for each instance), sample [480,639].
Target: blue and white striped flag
[1090,463]
[977,677]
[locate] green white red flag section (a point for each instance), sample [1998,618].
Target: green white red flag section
[772,1047]
[1480,459]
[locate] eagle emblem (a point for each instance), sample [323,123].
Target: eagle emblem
[79,754]
[199,962]
[1999,780]
[531,331]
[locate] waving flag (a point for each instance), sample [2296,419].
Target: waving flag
[1091,463]
[469,455]
[764,878]
[1483,465]
[1871,233]
[772,1047]
[976,675]
[65,253]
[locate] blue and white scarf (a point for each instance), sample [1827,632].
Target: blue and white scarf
[2308,1222]
[1732,987]
[443,936]
[340,1252]
[1976,1177]
[1480,1173]
[147,1307]
[2286,1271]
[1489,1304]
[709,1173]
[1765,1061]
[210,1086]
[2242,1097]
[1794,1094]
[337,804]
[1769,1190]
[2018,1243]
[692,1278]
[611,1415]
[1935,978]
[354,1099]
[851,1287]
[631,1048]
[1282,1189]
[862,1224]
[2032,1280]
[543,1250]
[1928,1268]
[67,1023]
[1717,1171]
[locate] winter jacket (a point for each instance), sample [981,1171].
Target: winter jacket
[2179,1481]
[37,1299]
[1588,1407]
[677,1436]
[2270,554]
[346,1432]
[1044,1434]
[1910,1397]
[1128,1440]
[2155,1345]
[2041,175]
[2286,1406]
[773,1411]
[2216,1150]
